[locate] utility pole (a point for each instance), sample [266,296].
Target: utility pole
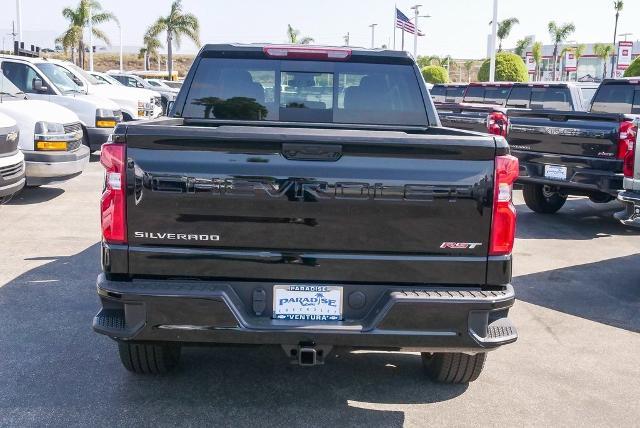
[494,29]
[415,33]
[120,28]
[373,35]
[19,19]
[90,39]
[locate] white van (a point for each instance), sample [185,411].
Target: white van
[42,80]
[11,159]
[135,103]
[50,137]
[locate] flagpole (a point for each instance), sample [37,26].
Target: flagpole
[402,37]
[395,17]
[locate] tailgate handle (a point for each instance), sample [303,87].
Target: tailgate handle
[311,152]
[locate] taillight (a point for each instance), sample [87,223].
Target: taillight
[307,52]
[498,123]
[627,145]
[113,201]
[503,223]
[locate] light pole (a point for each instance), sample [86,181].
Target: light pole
[90,39]
[120,28]
[494,30]
[415,40]
[19,19]
[625,35]
[373,35]
[415,33]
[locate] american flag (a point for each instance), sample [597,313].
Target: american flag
[402,21]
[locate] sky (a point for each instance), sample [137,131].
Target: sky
[456,27]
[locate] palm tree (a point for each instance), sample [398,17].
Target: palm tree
[504,28]
[176,25]
[468,66]
[150,51]
[563,52]
[536,52]
[558,35]
[294,37]
[522,45]
[578,51]
[78,20]
[603,51]
[617,6]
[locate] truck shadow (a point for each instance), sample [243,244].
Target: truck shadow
[579,219]
[607,292]
[56,369]
[34,195]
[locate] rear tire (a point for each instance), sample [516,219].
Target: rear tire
[453,367]
[151,358]
[542,201]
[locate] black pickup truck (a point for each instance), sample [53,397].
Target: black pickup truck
[306,197]
[565,153]
[481,99]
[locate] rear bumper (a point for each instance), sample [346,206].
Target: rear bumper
[427,319]
[631,214]
[44,168]
[584,175]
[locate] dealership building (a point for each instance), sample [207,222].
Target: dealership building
[589,68]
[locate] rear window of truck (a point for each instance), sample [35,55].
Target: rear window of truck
[545,98]
[305,91]
[487,94]
[620,98]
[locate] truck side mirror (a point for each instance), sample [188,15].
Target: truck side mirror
[38,86]
[170,105]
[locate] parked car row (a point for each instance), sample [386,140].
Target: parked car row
[61,113]
[570,139]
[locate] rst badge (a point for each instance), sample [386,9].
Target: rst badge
[460,245]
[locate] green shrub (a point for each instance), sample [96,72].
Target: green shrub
[435,74]
[509,68]
[634,68]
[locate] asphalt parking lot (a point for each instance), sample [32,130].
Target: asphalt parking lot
[577,279]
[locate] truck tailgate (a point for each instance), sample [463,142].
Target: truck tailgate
[296,204]
[564,133]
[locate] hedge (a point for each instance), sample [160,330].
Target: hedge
[509,68]
[435,74]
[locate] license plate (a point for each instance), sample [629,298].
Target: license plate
[555,172]
[307,302]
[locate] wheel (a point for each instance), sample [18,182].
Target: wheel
[150,358]
[542,199]
[453,367]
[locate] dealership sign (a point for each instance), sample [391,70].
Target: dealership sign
[624,54]
[531,63]
[570,61]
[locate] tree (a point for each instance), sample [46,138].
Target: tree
[150,51]
[78,19]
[536,52]
[578,51]
[176,25]
[559,34]
[522,45]
[504,28]
[634,68]
[603,51]
[617,6]
[509,68]
[294,37]
[468,66]
[435,74]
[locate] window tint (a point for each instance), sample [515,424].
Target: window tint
[616,98]
[59,76]
[475,94]
[519,97]
[21,75]
[295,91]
[454,95]
[496,95]
[551,98]
[438,93]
